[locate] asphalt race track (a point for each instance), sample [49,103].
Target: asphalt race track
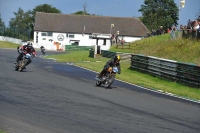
[51,97]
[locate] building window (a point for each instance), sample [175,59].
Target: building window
[67,35]
[43,38]
[75,43]
[49,33]
[71,36]
[44,34]
[90,36]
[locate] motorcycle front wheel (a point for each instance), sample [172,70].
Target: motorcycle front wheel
[16,68]
[109,81]
[98,83]
[22,66]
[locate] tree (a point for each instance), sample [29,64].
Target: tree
[198,16]
[44,8]
[2,26]
[1,22]
[24,21]
[84,12]
[156,13]
[81,13]
[20,24]
[21,20]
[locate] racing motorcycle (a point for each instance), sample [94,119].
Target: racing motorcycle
[20,66]
[108,78]
[42,48]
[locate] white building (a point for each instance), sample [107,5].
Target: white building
[54,31]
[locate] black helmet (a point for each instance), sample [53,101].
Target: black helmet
[29,44]
[117,57]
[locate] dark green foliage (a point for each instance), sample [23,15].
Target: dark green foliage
[81,13]
[158,13]
[24,21]
[198,16]
[46,8]
[1,21]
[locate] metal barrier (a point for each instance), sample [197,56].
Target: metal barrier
[91,53]
[188,74]
[74,47]
[184,73]
[108,54]
[191,34]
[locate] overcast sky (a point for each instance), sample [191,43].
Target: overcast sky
[116,8]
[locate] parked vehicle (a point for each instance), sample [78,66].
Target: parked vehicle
[108,78]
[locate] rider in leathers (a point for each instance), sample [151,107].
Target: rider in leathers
[111,63]
[24,50]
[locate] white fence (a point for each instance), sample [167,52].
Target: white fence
[9,39]
[16,41]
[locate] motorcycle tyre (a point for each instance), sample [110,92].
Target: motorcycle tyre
[108,84]
[16,68]
[98,83]
[23,66]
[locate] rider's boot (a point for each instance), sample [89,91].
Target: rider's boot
[100,74]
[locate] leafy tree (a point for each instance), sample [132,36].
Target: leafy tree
[2,26]
[158,13]
[198,15]
[44,8]
[1,22]
[21,20]
[81,13]
[25,20]
[20,24]
[84,12]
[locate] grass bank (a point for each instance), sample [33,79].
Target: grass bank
[2,131]
[181,50]
[8,45]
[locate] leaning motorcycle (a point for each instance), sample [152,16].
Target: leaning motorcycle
[108,78]
[20,66]
[42,50]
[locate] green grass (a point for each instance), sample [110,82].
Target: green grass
[8,45]
[2,131]
[159,46]
[181,50]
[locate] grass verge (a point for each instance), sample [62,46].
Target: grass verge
[2,131]
[8,45]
